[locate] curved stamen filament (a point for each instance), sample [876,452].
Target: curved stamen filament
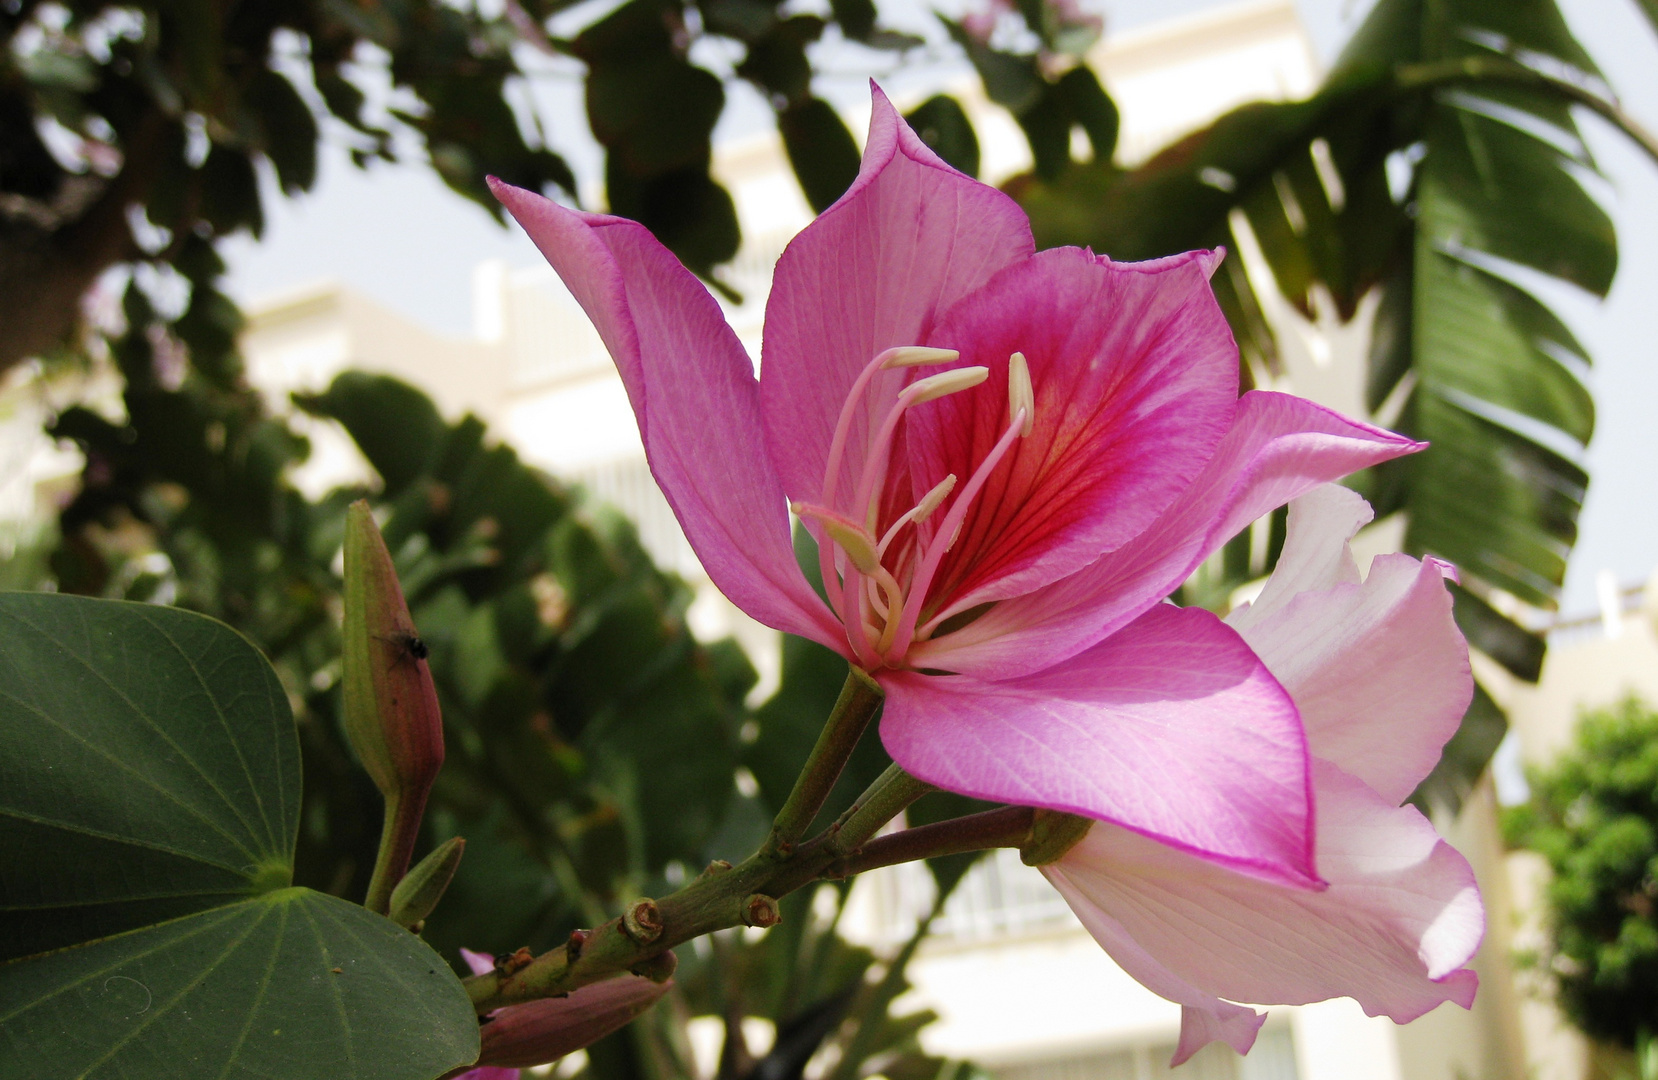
[902,356]
[880,448]
[945,538]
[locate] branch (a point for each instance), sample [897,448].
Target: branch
[1006,826]
[859,698]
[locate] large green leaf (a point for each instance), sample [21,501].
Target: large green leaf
[289,984]
[148,769]
[149,806]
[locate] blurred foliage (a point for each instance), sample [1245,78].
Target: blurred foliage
[1593,815]
[1438,171]
[130,132]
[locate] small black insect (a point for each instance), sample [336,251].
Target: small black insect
[407,644]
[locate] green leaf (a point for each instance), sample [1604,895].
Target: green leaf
[942,124]
[396,426]
[1650,9]
[777,61]
[856,17]
[149,805]
[230,192]
[1465,756]
[1011,81]
[148,769]
[288,131]
[821,151]
[290,984]
[1092,109]
[1492,188]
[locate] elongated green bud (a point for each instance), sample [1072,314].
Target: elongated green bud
[424,885]
[391,707]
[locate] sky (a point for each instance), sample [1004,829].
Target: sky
[398,235]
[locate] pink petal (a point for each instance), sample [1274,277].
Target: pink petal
[1400,918]
[1315,555]
[1204,1018]
[1136,380]
[908,239]
[1171,727]
[1379,670]
[477,961]
[1279,447]
[693,391]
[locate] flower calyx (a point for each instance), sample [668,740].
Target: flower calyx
[423,886]
[1052,834]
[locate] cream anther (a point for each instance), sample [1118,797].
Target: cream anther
[944,384]
[917,356]
[919,512]
[1019,393]
[930,501]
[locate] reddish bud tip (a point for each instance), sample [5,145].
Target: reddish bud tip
[536,1032]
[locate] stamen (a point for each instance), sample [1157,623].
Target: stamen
[943,384]
[920,512]
[943,541]
[1019,393]
[933,499]
[858,546]
[917,356]
[922,390]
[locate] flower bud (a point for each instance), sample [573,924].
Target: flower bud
[536,1032]
[391,707]
[420,890]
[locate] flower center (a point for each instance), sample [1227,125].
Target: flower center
[877,586]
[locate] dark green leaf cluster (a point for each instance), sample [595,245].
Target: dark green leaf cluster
[1437,167]
[171,105]
[1593,815]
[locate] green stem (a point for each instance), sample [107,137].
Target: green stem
[860,696]
[398,833]
[1477,69]
[882,801]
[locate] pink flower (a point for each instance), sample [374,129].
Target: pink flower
[538,1032]
[997,527]
[1380,675]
